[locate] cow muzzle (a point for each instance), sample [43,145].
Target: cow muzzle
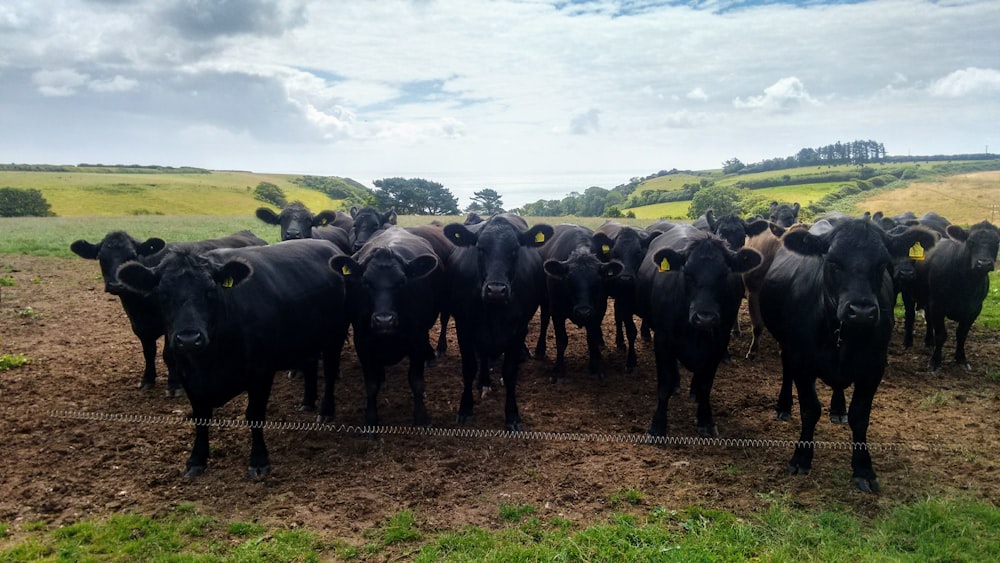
[114,288]
[581,315]
[704,320]
[861,313]
[496,292]
[189,340]
[984,265]
[385,323]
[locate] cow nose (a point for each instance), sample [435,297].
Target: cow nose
[582,313]
[293,234]
[703,319]
[984,265]
[357,246]
[384,322]
[495,291]
[626,278]
[188,340]
[114,288]
[862,313]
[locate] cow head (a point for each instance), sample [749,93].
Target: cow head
[706,264]
[981,242]
[856,256]
[586,278]
[115,249]
[628,247]
[383,274]
[367,222]
[499,244]
[784,215]
[734,230]
[189,288]
[296,220]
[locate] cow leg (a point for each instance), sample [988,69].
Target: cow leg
[858,417]
[174,386]
[198,460]
[783,410]
[469,369]
[594,345]
[809,411]
[756,324]
[149,358]
[909,317]
[701,386]
[838,407]
[442,344]
[940,335]
[331,373]
[619,327]
[512,418]
[543,329]
[646,332]
[562,341]
[416,377]
[667,381]
[310,382]
[257,396]
[961,333]
[631,360]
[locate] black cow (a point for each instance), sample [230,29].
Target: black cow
[367,222]
[689,290]
[497,283]
[298,222]
[233,317]
[731,227]
[784,215]
[952,283]
[827,299]
[389,283]
[628,246]
[117,248]
[577,283]
[473,218]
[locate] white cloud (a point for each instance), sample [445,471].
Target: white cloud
[784,95]
[586,122]
[58,83]
[698,94]
[967,82]
[116,84]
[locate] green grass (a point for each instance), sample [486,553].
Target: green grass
[10,361]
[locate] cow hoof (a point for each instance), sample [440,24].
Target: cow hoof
[514,427]
[866,485]
[782,415]
[676,392]
[194,471]
[751,356]
[146,386]
[324,419]
[259,473]
[466,419]
[629,370]
[484,393]
[964,365]
[307,408]
[692,397]
[709,431]
[175,393]
[934,368]
[838,419]
[794,469]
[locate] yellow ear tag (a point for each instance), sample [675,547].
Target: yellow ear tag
[323,223]
[539,237]
[916,252]
[605,249]
[346,270]
[228,282]
[664,265]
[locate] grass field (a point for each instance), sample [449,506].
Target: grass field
[964,199]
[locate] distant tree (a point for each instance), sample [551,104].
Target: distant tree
[270,193]
[732,166]
[15,202]
[415,196]
[488,200]
[720,199]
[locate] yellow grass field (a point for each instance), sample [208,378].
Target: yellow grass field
[964,199]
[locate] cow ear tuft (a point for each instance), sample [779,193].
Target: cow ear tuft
[344,265]
[756,227]
[459,235]
[268,216]
[802,242]
[537,235]
[421,266]
[391,217]
[556,269]
[233,273]
[151,246]
[957,233]
[84,249]
[137,277]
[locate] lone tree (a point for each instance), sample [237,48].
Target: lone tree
[15,202]
[486,201]
[270,193]
[415,196]
[720,199]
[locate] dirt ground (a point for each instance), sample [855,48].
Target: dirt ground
[84,358]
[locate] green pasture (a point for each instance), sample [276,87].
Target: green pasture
[89,194]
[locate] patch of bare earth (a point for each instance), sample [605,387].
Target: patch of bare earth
[84,358]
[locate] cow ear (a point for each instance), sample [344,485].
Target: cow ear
[556,269]
[459,235]
[84,249]
[776,229]
[604,245]
[391,217]
[801,242]
[612,269]
[710,219]
[744,260]
[756,227]
[345,266]
[795,208]
[904,243]
[137,277]
[421,266]
[324,218]
[957,233]
[232,273]
[537,236]
[268,216]
[354,212]
[151,246]
[668,259]
[648,238]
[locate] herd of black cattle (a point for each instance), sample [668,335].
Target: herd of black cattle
[235,310]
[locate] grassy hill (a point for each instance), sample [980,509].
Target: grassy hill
[84,192]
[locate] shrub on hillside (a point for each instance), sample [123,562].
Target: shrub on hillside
[15,202]
[270,193]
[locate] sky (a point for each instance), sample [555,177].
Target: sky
[533,98]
